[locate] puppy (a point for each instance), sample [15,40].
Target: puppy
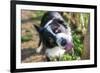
[55,35]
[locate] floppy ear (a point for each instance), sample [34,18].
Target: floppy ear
[37,28]
[40,45]
[40,30]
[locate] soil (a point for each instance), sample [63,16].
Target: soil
[28,48]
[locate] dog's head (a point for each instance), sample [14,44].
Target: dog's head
[55,31]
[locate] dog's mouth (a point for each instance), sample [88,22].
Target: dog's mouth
[64,41]
[68,46]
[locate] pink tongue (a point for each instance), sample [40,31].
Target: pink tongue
[68,46]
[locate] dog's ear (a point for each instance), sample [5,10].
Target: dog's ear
[38,50]
[40,30]
[37,28]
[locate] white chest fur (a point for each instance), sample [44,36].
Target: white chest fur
[55,52]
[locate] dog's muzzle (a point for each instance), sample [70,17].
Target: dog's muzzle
[64,41]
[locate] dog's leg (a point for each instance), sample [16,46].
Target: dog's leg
[38,50]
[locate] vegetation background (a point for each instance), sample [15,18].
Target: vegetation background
[79,23]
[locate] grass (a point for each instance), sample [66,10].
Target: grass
[26,38]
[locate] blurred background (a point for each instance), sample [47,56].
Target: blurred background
[79,23]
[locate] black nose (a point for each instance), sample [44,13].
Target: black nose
[63,42]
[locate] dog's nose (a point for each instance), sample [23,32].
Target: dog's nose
[63,42]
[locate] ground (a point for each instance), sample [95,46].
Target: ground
[30,38]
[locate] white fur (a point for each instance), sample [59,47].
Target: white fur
[49,22]
[38,50]
[55,52]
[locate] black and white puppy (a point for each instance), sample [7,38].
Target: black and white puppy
[55,35]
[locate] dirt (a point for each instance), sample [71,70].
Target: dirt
[28,53]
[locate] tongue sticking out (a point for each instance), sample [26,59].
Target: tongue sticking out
[68,46]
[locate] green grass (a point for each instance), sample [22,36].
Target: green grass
[26,38]
[69,57]
[78,44]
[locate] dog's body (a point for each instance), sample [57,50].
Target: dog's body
[55,35]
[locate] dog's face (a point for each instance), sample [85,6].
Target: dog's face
[56,31]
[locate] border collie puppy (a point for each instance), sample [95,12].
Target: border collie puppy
[55,35]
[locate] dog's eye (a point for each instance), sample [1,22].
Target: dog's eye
[57,31]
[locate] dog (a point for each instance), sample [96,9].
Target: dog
[55,35]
